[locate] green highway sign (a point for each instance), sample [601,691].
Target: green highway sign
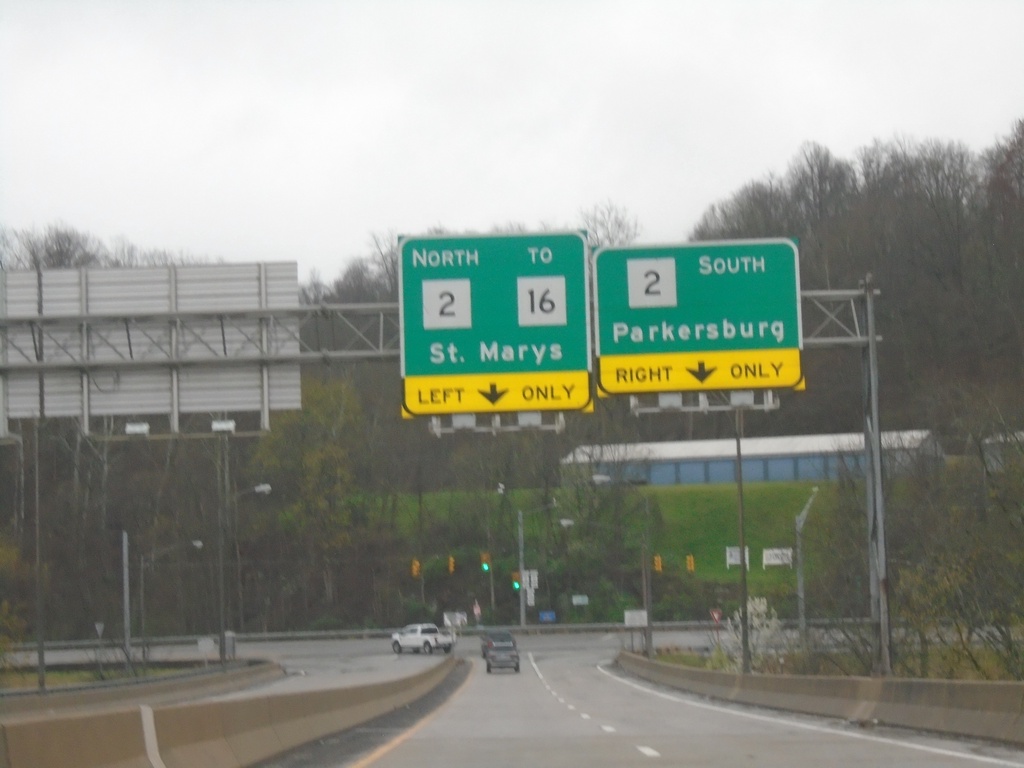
[495,323]
[699,316]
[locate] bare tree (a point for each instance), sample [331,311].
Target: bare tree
[608,224]
[58,247]
[385,259]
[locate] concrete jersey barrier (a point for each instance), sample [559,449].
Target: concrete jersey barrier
[976,709]
[217,734]
[160,690]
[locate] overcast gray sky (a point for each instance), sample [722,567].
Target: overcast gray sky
[254,130]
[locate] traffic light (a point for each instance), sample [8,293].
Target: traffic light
[485,561]
[691,564]
[657,563]
[414,568]
[451,564]
[515,580]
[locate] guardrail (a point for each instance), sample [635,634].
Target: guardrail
[183,685]
[975,709]
[366,634]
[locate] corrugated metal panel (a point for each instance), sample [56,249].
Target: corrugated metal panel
[62,394]
[283,336]
[22,294]
[136,292]
[130,392]
[240,338]
[218,288]
[19,347]
[22,396]
[233,389]
[282,285]
[285,389]
[61,292]
[140,341]
[129,291]
[61,345]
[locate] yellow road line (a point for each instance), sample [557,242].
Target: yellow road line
[384,749]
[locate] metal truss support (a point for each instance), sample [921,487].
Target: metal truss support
[322,334]
[90,343]
[844,318]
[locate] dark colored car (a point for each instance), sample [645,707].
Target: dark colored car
[500,651]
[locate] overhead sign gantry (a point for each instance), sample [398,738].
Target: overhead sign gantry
[494,323]
[699,316]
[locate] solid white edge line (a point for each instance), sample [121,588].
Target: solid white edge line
[815,728]
[149,737]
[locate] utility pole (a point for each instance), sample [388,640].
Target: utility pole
[126,599]
[877,558]
[645,574]
[744,614]
[522,573]
[800,605]
[225,490]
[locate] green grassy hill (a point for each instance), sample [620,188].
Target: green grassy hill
[698,520]
[703,521]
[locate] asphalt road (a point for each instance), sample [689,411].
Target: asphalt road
[570,707]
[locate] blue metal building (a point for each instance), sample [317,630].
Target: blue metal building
[765,459]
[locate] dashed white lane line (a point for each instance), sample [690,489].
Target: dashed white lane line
[646,751]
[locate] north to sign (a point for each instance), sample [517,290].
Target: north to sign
[699,316]
[495,323]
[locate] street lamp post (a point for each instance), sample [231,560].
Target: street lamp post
[143,561]
[522,574]
[224,428]
[744,608]
[645,574]
[126,603]
[522,558]
[645,569]
[263,489]
[801,608]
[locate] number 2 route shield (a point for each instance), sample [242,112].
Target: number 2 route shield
[699,316]
[495,323]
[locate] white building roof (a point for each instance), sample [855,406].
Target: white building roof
[761,447]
